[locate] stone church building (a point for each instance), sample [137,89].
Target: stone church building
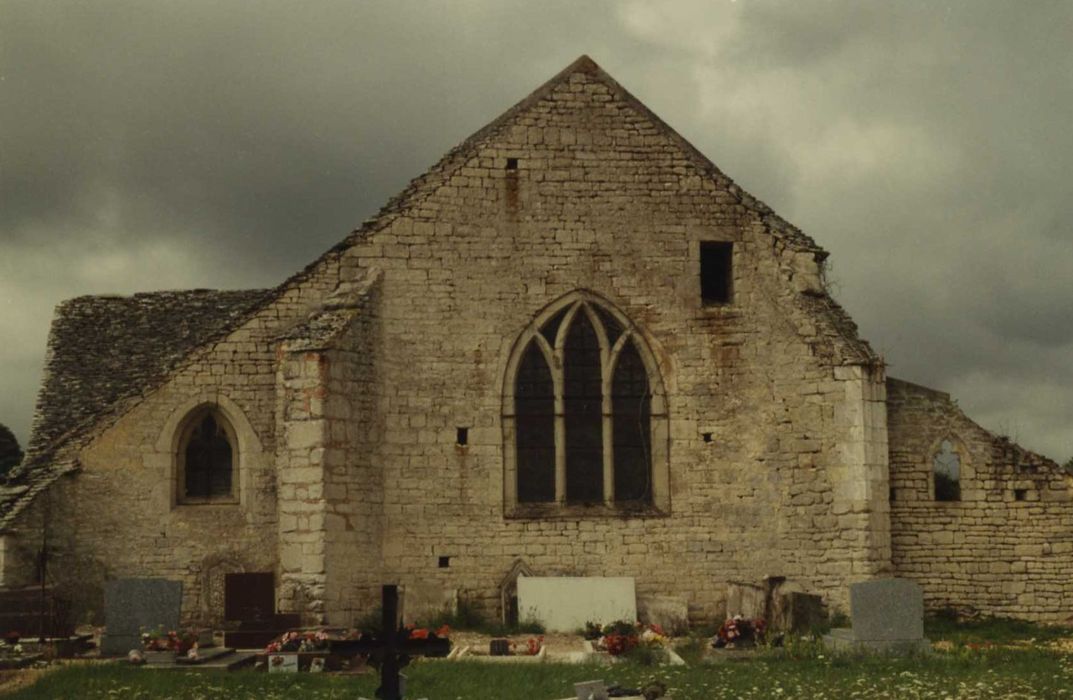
[573,342]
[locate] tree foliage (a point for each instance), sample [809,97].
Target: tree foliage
[10,452]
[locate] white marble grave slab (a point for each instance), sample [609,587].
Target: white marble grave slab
[566,603]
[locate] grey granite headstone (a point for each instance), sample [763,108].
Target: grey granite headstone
[887,610]
[134,605]
[886,615]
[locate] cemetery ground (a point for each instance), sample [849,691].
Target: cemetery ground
[985,659]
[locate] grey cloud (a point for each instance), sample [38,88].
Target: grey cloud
[204,144]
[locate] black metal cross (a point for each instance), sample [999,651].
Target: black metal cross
[393,646]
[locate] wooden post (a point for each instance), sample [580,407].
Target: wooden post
[389,666]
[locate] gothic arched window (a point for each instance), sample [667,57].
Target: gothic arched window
[946,469]
[207,457]
[579,407]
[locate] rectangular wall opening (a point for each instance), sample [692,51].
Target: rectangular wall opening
[716,272]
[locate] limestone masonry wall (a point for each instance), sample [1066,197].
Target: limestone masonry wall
[793,479]
[118,516]
[1006,548]
[347,392]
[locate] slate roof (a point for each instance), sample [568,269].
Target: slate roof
[106,350]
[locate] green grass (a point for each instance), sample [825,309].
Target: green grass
[804,671]
[991,630]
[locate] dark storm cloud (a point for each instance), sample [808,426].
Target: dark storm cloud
[926,145]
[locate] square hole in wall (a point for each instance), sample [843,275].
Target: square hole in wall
[716,272]
[462,436]
[512,163]
[707,437]
[1020,494]
[444,562]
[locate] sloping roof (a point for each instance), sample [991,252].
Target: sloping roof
[324,326]
[104,350]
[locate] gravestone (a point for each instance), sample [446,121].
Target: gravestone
[795,611]
[392,647]
[136,605]
[508,591]
[669,612]
[423,603]
[746,599]
[250,610]
[591,690]
[886,615]
[566,603]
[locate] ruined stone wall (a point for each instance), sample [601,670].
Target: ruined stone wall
[989,551]
[118,516]
[601,198]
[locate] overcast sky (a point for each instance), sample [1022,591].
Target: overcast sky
[926,145]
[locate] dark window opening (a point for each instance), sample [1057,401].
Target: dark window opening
[512,163]
[462,436]
[1020,494]
[612,327]
[535,428]
[706,436]
[946,467]
[444,562]
[716,273]
[551,327]
[891,495]
[566,418]
[208,461]
[583,408]
[631,426]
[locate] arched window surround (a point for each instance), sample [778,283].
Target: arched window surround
[591,304]
[247,451]
[965,468]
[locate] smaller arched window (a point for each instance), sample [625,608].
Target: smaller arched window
[946,470]
[207,458]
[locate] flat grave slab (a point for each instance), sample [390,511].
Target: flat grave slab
[566,603]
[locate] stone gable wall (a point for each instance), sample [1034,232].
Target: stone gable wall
[117,516]
[793,480]
[988,552]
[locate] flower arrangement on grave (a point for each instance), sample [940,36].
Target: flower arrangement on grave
[621,636]
[310,640]
[424,633]
[739,631]
[158,640]
[533,645]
